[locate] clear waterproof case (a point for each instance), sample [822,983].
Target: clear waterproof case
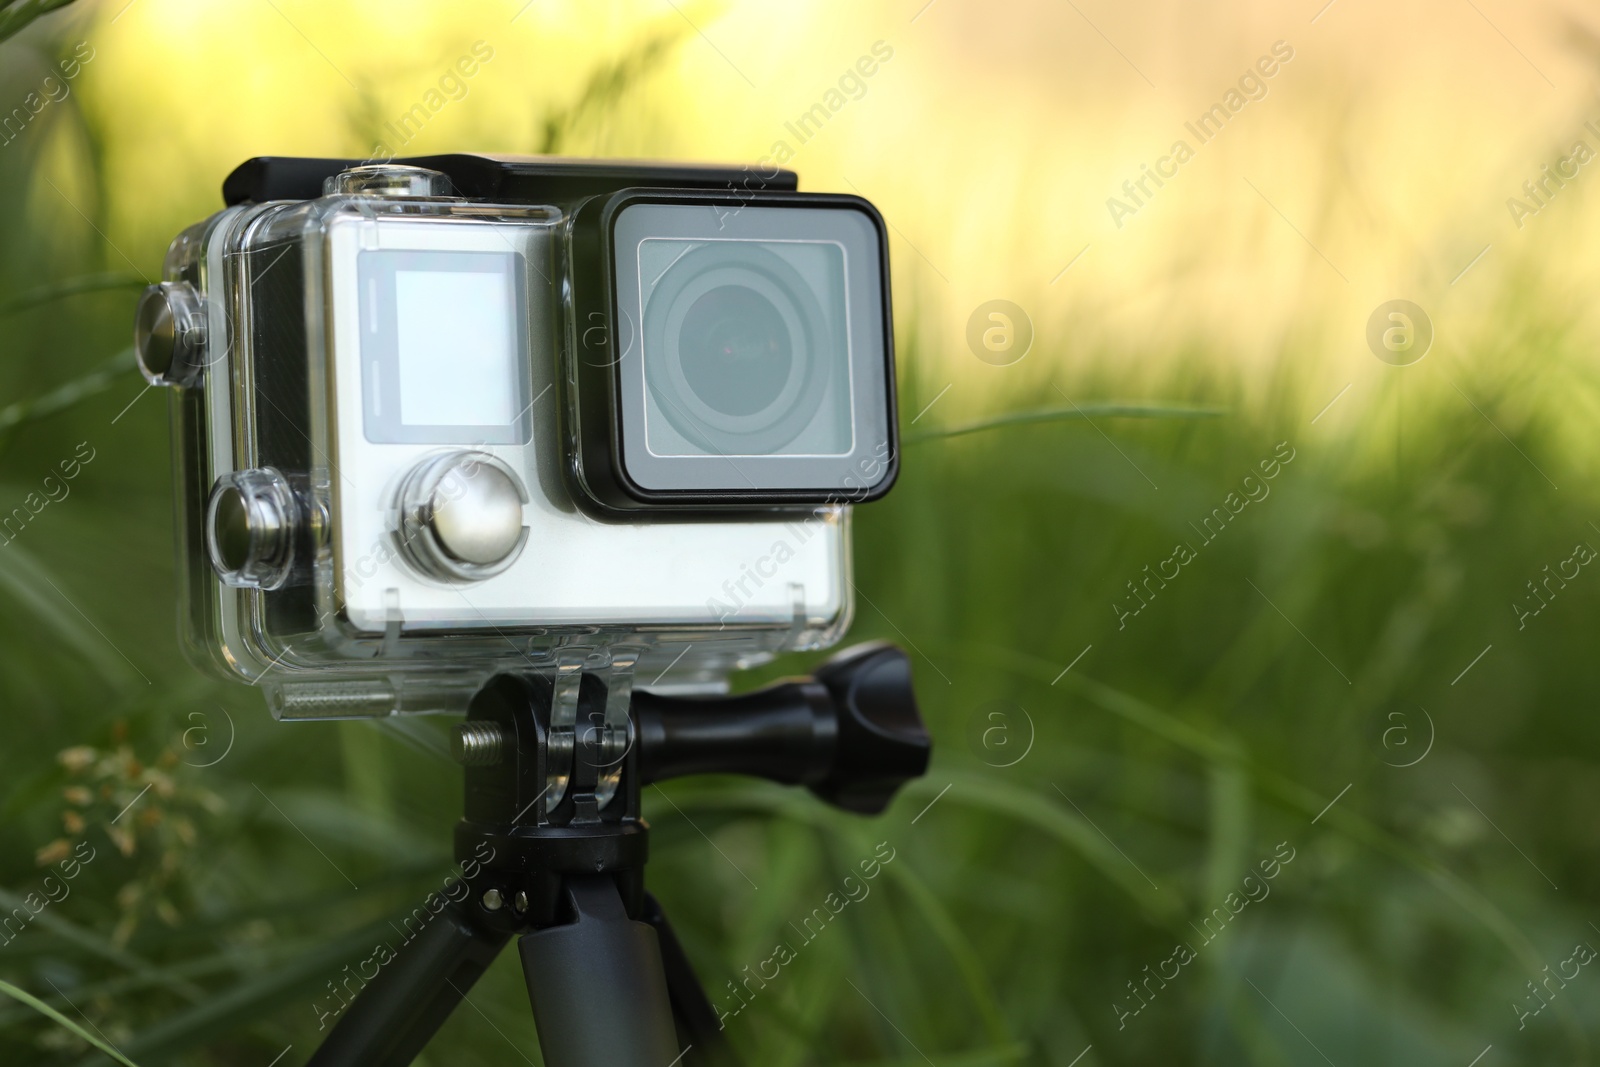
[374,426]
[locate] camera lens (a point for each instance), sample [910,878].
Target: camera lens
[734,349]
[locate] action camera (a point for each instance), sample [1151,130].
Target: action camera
[449,416]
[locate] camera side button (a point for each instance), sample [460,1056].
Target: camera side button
[252,520]
[461,517]
[169,334]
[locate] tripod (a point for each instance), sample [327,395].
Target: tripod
[556,847]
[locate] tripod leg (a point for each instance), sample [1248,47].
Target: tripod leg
[597,986]
[399,1010]
[697,1020]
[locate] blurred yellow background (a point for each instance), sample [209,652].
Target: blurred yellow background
[992,139]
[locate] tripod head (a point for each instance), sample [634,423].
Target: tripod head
[554,774]
[553,847]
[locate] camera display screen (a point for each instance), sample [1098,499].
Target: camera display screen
[753,354]
[443,346]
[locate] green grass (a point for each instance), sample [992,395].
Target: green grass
[1174,757]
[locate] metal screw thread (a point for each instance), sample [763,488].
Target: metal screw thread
[478,744]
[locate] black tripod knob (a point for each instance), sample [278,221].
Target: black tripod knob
[882,742]
[852,733]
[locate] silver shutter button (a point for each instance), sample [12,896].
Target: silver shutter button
[461,516]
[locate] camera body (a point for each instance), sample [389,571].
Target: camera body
[450,416]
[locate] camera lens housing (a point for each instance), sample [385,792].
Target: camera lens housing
[734,352]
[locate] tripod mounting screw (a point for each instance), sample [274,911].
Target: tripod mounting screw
[492,900]
[477,743]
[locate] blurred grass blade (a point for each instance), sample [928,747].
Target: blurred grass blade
[65,396]
[1358,828]
[95,945]
[1287,792]
[983,1057]
[1162,724]
[331,908]
[608,84]
[1231,799]
[29,583]
[86,283]
[217,968]
[15,15]
[1081,413]
[1069,828]
[949,933]
[251,1001]
[46,1010]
